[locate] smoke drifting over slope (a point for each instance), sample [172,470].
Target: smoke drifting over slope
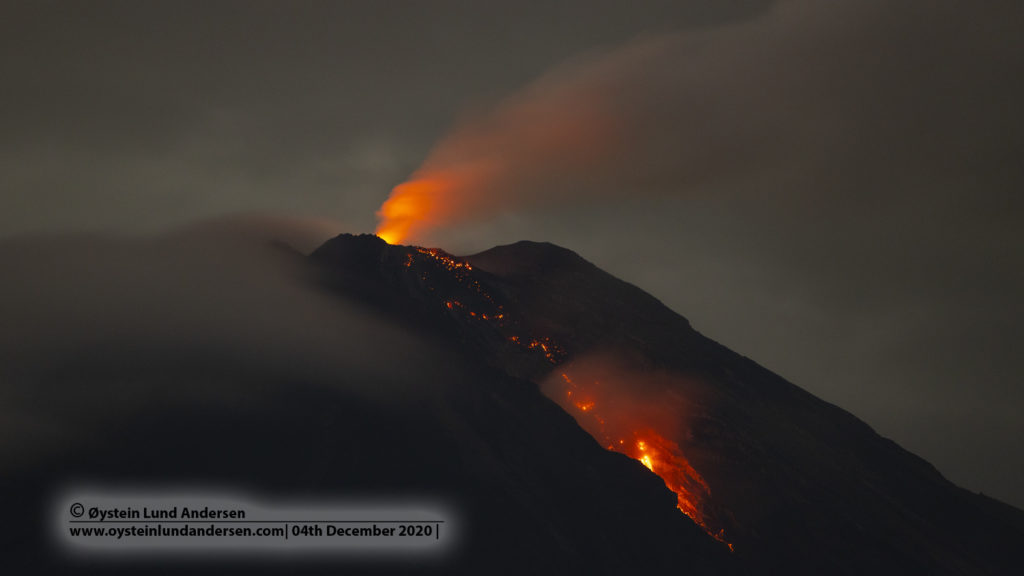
[97,327]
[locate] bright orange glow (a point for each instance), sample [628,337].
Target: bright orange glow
[646,460]
[427,200]
[407,207]
[615,429]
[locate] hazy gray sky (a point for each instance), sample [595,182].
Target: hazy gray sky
[832,189]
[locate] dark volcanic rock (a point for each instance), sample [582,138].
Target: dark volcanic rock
[803,486]
[798,485]
[535,493]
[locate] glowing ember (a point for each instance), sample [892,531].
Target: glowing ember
[551,351]
[449,263]
[462,272]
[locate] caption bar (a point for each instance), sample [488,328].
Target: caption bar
[125,523]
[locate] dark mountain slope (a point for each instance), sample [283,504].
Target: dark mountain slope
[533,492]
[533,355]
[797,484]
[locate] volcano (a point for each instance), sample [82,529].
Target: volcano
[580,426]
[788,482]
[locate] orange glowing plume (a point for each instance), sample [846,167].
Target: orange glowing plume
[406,209]
[428,198]
[529,150]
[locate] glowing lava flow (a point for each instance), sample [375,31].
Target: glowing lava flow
[641,442]
[620,430]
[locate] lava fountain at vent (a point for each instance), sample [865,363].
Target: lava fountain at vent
[635,428]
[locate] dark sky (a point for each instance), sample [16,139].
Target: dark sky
[832,189]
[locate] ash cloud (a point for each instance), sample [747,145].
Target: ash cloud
[806,99]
